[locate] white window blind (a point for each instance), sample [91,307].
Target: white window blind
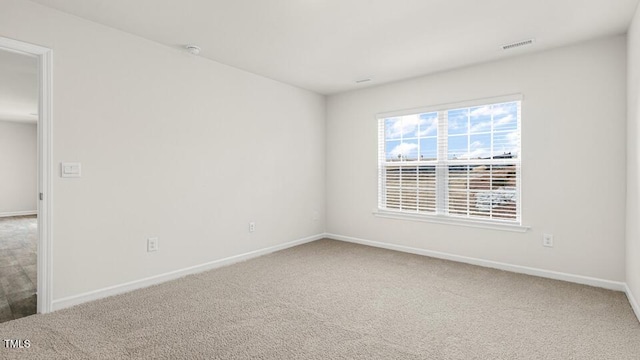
[454,161]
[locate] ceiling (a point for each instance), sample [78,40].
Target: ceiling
[18,87]
[327,45]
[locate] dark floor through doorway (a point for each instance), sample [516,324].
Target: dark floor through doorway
[18,267]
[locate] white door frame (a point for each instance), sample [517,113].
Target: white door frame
[45,63]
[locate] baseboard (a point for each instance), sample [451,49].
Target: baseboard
[632,300]
[19,213]
[153,280]
[579,279]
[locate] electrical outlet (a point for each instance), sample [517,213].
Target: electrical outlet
[152,244]
[547,240]
[315,216]
[252,226]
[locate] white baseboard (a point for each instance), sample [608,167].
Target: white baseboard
[157,279]
[632,300]
[579,279]
[153,280]
[19,213]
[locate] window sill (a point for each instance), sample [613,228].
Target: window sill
[451,221]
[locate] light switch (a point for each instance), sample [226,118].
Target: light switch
[70,169]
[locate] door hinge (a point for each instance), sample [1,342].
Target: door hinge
[41,196]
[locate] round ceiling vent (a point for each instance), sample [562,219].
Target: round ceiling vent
[193,49]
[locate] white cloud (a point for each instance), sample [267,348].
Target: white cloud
[513,142]
[501,116]
[481,126]
[477,150]
[513,138]
[403,149]
[410,124]
[402,126]
[509,145]
[455,125]
[428,130]
[482,111]
[505,120]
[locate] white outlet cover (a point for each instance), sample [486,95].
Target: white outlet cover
[547,240]
[152,244]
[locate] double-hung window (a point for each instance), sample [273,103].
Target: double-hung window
[457,161]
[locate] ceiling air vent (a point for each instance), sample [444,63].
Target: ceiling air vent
[517,44]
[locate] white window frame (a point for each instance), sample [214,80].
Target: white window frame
[441,216]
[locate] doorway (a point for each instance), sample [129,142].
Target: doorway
[25,184]
[18,184]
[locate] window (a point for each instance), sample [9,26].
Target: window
[457,161]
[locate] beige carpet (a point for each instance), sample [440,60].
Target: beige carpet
[333,300]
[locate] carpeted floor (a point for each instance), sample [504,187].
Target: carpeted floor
[334,300]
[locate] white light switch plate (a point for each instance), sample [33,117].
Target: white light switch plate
[70,170]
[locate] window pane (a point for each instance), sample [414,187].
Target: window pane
[391,150]
[426,201]
[408,150]
[458,147]
[409,199]
[479,178]
[458,121]
[494,204]
[392,187]
[428,124]
[458,175]
[427,189]
[479,187]
[429,149]
[505,116]
[503,177]
[458,203]
[391,128]
[458,185]
[480,119]
[393,198]
[409,177]
[392,177]
[493,192]
[479,147]
[402,127]
[410,124]
[506,144]
[427,177]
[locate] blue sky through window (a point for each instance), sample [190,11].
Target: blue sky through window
[411,137]
[479,132]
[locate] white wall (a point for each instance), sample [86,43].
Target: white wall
[190,151]
[573,146]
[171,145]
[633,160]
[18,161]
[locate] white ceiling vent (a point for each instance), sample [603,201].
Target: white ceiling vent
[193,49]
[518,44]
